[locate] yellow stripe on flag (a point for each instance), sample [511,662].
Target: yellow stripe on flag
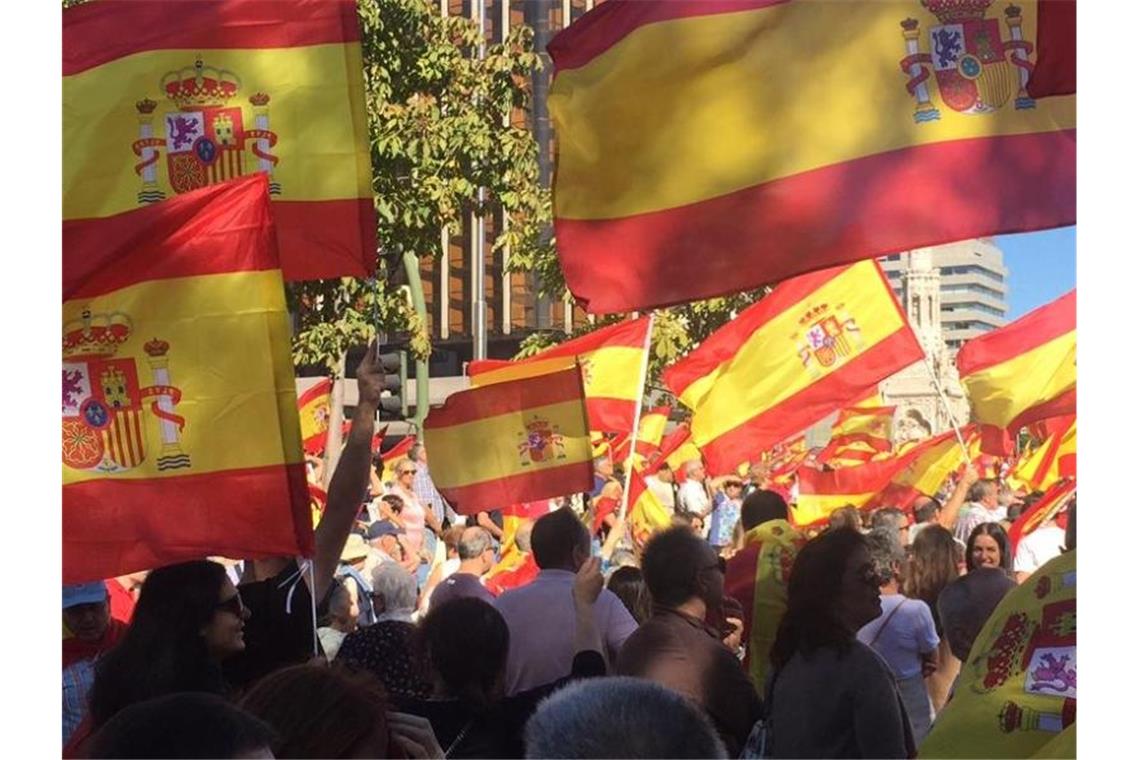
[1001,392]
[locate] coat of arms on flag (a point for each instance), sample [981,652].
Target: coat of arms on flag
[103,397]
[975,69]
[827,337]
[207,137]
[542,442]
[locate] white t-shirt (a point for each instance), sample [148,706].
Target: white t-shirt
[1037,548]
[692,497]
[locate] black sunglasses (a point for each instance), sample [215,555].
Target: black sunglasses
[233,605]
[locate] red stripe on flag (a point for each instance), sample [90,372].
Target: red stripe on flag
[95,33]
[321,388]
[542,484]
[630,333]
[869,207]
[1036,328]
[513,396]
[117,520]
[1055,71]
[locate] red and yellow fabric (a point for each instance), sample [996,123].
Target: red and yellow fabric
[1050,504]
[162,98]
[611,359]
[511,442]
[710,146]
[677,448]
[757,577]
[933,462]
[651,430]
[313,409]
[814,344]
[180,430]
[858,436]
[1025,371]
[389,458]
[1017,691]
[645,515]
[1055,72]
[513,517]
[1054,459]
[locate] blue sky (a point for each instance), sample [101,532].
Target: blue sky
[1042,266]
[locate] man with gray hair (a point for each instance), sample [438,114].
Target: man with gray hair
[476,558]
[982,507]
[693,495]
[620,717]
[394,593]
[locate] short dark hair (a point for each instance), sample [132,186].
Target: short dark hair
[449,636]
[186,724]
[762,506]
[671,564]
[927,511]
[628,584]
[556,536]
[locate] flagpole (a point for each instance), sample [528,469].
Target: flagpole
[637,417]
[946,405]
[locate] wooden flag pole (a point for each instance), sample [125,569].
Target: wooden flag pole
[636,417]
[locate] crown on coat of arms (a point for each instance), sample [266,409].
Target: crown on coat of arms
[95,335]
[812,313]
[156,347]
[956,11]
[200,86]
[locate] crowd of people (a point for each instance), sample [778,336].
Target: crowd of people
[417,632]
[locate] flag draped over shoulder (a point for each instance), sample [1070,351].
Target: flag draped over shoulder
[180,428]
[1023,372]
[313,408]
[711,146]
[814,344]
[611,358]
[511,442]
[1017,690]
[162,98]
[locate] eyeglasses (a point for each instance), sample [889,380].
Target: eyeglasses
[233,605]
[407,472]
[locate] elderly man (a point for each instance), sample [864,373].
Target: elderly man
[892,519]
[661,484]
[540,615]
[476,558]
[678,649]
[386,647]
[87,617]
[982,506]
[693,495]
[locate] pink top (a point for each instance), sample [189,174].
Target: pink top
[413,517]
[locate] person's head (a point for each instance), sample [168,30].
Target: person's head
[87,611]
[383,535]
[343,608]
[394,589]
[523,536]
[933,564]
[665,472]
[833,591]
[966,604]
[464,642]
[620,716]
[451,540]
[394,501]
[695,470]
[891,518]
[984,492]
[887,553]
[758,473]
[476,550]
[679,567]
[762,506]
[845,517]
[988,546]
[629,586]
[926,510]
[322,711]
[604,466]
[418,453]
[355,550]
[733,488]
[405,470]
[560,541]
[187,619]
[186,725]
[690,520]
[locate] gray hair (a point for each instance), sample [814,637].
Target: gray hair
[888,517]
[980,490]
[396,586]
[473,542]
[692,465]
[592,718]
[886,552]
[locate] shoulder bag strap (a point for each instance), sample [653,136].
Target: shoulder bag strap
[886,622]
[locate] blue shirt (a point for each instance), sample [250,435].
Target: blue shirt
[725,516]
[77,681]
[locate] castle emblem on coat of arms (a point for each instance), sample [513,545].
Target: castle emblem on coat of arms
[208,138]
[826,337]
[540,443]
[104,401]
[975,70]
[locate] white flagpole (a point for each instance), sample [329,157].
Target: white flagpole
[946,405]
[637,417]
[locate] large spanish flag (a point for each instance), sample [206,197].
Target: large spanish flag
[511,442]
[646,513]
[162,98]
[814,344]
[313,408]
[710,146]
[1025,371]
[1017,691]
[612,360]
[180,430]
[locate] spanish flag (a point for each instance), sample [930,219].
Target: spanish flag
[612,360]
[933,461]
[646,513]
[162,98]
[389,458]
[651,429]
[180,430]
[511,442]
[677,448]
[814,344]
[1054,459]
[313,407]
[1056,498]
[859,435]
[1017,691]
[707,147]
[1025,371]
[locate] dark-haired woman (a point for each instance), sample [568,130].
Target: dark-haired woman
[936,561]
[988,546]
[629,586]
[829,694]
[465,644]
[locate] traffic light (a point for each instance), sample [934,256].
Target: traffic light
[393,405]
